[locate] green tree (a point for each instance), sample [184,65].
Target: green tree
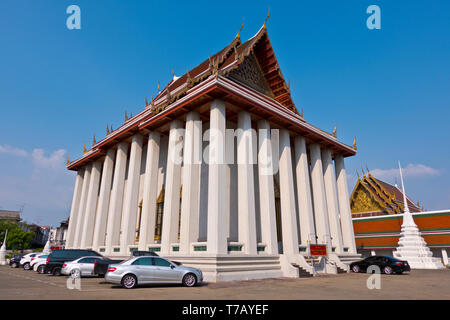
[17,239]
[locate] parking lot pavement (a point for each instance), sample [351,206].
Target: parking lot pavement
[419,284]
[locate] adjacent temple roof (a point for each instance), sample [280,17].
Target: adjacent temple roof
[373,197]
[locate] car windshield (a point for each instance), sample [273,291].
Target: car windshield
[393,259]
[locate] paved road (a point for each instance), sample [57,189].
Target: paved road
[420,284]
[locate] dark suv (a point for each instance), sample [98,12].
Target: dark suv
[57,258]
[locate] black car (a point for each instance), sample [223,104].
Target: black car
[101,266]
[57,258]
[15,260]
[387,265]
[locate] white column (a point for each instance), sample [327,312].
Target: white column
[82,207]
[169,232]
[344,205]
[103,201]
[150,192]
[74,210]
[190,203]
[91,205]
[332,202]
[246,188]
[131,196]
[320,200]
[266,189]
[115,206]
[444,257]
[305,208]
[216,233]
[287,197]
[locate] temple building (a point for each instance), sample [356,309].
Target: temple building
[377,209]
[219,171]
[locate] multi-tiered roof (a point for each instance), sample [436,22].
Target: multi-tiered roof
[246,75]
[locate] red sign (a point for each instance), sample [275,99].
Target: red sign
[318,249]
[56,248]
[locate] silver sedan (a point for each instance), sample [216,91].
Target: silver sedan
[148,270]
[83,266]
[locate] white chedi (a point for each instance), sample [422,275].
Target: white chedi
[3,251]
[47,247]
[411,246]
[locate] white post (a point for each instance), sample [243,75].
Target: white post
[444,257]
[332,203]
[169,233]
[305,214]
[190,203]
[320,201]
[82,207]
[266,189]
[344,205]
[74,209]
[115,206]
[91,205]
[287,197]
[103,201]
[150,192]
[216,233]
[246,190]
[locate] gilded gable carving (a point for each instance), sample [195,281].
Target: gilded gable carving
[249,73]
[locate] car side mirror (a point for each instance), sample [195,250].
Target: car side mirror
[172,266]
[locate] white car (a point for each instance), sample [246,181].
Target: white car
[37,260]
[83,266]
[26,260]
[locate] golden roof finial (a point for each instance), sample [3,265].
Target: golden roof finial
[289,85]
[239,32]
[364,174]
[358,175]
[93,140]
[159,91]
[354,144]
[111,129]
[335,131]
[126,116]
[146,102]
[107,130]
[368,171]
[301,114]
[84,148]
[68,160]
[267,18]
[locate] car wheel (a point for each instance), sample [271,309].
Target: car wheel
[129,281]
[189,280]
[355,269]
[41,269]
[387,270]
[75,273]
[26,266]
[56,272]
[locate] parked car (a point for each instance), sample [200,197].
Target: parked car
[15,260]
[83,266]
[40,266]
[57,258]
[147,270]
[101,266]
[387,265]
[26,260]
[38,259]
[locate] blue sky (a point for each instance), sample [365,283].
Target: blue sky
[58,87]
